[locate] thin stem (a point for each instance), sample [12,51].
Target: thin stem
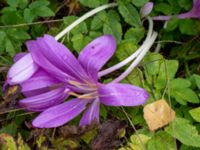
[84,17]
[33,23]
[133,56]
[137,60]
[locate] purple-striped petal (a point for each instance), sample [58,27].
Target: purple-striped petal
[117,94]
[58,55]
[96,54]
[60,114]
[39,83]
[19,56]
[43,101]
[91,114]
[22,70]
[35,49]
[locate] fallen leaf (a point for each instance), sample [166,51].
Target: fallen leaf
[158,114]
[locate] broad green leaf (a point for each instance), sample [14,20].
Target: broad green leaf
[12,3]
[179,83]
[188,26]
[11,18]
[161,141]
[125,49]
[93,3]
[168,69]
[164,8]
[9,128]
[18,34]
[113,27]
[2,41]
[28,15]
[138,142]
[195,113]
[10,47]
[186,4]
[81,28]
[185,94]
[130,14]
[152,63]
[197,80]
[184,147]
[185,132]
[135,34]
[139,3]
[172,24]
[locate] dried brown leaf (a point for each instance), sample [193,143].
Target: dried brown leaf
[158,114]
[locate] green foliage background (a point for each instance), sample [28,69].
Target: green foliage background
[172,74]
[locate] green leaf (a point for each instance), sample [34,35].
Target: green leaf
[97,21]
[130,14]
[195,113]
[43,11]
[135,34]
[18,34]
[172,24]
[179,83]
[11,18]
[161,141]
[113,27]
[125,49]
[152,63]
[139,3]
[186,133]
[28,15]
[197,80]
[135,141]
[12,3]
[168,69]
[81,28]
[188,26]
[185,94]
[93,3]
[9,47]
[164,8]
[9,128]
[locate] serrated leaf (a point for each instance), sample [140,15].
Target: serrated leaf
[125,49]
[168,69]
[153,63]
[93,3]
[179,83]
[135,34]
[161,141]
[185,132]
[195,113]
[113,27]
[188,26]
[185,94]
[197,80]
[81,28]
[130,14]
[139,3]
[164,8]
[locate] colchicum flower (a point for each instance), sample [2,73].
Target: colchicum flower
[49,73]
[193,13]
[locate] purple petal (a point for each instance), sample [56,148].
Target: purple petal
[44,63]
[22,70]
[58,55]
[91,113]
[117,94]
[146,9]
[96,54]
[38,83]
[43,101]
[19,56]
[60,114]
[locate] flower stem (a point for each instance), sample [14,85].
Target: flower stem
[84,17]
[137,60]
[131,57]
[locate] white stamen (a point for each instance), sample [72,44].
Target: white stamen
[84,17]
[133,56]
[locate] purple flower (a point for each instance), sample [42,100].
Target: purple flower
[146,9]
[49,73]
[193,13]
